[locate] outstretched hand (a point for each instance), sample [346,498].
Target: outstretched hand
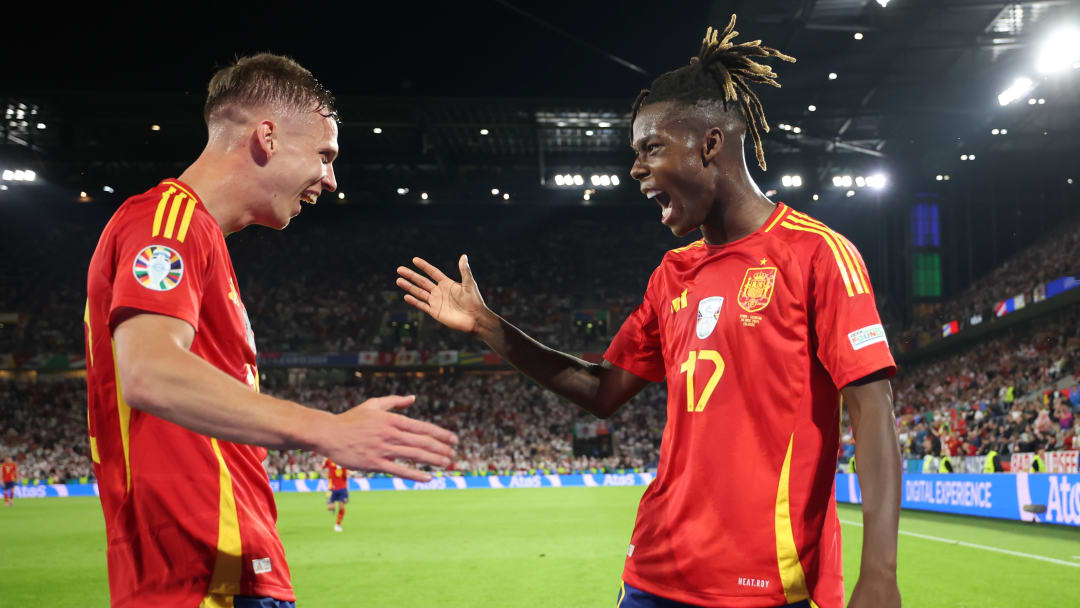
[369,437]
[456,305]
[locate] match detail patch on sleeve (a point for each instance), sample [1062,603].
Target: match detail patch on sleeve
[158,268]
[871,334]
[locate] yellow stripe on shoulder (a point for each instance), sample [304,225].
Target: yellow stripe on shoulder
[697,243]
[779,217]
[832,245]
[849,260]
[181,188]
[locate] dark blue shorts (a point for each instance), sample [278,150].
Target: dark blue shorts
[9,485]
[341,495]
[247,601]
[632,597]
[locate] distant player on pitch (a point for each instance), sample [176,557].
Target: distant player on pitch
[337,478]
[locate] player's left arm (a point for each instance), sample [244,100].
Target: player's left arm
[869,402]
[853,348]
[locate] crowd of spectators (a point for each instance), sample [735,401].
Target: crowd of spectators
[1051,258]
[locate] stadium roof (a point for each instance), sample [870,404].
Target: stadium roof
[526,91]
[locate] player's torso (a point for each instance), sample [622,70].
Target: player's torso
[742,383]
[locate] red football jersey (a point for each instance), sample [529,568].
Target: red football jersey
[10,471]
[755,338]
[185,515]
[338,477]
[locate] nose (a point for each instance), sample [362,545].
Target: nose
[638,170]
[330,180]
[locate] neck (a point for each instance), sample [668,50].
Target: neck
[225,197]
[739,209]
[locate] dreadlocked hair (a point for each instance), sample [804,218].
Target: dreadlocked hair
[721,71]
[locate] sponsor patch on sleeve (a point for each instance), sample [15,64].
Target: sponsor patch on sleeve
[871,334]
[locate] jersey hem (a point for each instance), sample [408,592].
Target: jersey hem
[702,600]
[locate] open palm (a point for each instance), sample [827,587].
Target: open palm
[456,305]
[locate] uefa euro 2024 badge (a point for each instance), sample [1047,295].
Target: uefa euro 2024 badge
[158,268]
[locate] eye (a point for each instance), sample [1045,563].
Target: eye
[652,148]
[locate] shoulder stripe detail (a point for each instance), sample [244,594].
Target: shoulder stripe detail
[855,259]
[174,211]
[181,188]
[850,260]
[832,245]
[188,212]
[160,213]
[697,243]
[862,286]
[779,217]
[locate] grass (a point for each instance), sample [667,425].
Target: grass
[507,548]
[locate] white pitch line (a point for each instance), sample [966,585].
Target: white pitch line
[961,543]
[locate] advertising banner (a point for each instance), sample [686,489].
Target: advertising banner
[1039,497]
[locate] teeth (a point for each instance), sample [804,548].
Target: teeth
[652,194]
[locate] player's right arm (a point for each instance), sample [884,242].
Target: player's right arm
[599,388]
[162,377]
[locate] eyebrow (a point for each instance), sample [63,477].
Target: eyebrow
[330,152]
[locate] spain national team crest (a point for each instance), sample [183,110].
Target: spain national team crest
[756,290]
[158,268]
[708,313]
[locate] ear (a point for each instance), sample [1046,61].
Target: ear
[264,142]
[711,144]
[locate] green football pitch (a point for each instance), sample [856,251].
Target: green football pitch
[523,547]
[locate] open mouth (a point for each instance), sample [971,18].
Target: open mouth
[664,200]
[309,197]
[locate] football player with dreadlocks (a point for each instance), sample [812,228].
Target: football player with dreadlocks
[762,329]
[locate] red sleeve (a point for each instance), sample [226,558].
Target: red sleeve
[162,275]
[851,341]
[636,348]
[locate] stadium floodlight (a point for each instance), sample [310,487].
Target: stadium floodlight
[1020,87]
[786,180]
[1032,101]
[595,180]
[797,130]
[614,180]
[1060,50]
[484,131]
[1004,131]
[858,36]
[1069,181]
[82,194]
[837,181]
[995,131]
[108,189]
[963,157]
[850,193]
[860,181]
[586,196]
[876,181]
[946,178]
[403,191]
[377,130]
[423,196]
[29,176]
[155,127]
[3,187]
[8,175]
[971,157]
[1041,101]
[811,108]
[579,181]
[506,196]
[832,76]
[589,133]
[41,125]
[341,196]
[605,180]
[938,177]
[846,181]
[603,124]
[796,181]
[816,197]
[494,192]
[883,3]
[559,180]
